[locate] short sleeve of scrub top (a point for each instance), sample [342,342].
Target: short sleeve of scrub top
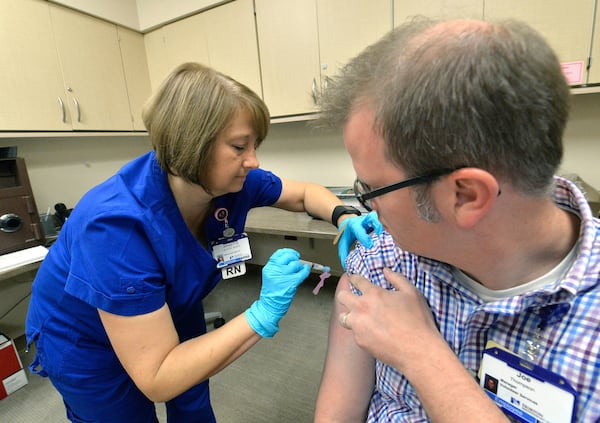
[116,269]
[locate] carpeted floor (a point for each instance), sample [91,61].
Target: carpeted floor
[276,381]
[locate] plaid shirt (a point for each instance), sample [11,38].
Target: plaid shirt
[563,318]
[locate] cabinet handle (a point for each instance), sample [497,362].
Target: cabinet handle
[78,109]
[314,90]
[62,110]
[35,228]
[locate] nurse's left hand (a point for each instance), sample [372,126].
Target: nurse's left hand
[357,229]
[280,277]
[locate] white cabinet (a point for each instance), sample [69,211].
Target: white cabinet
[30,76]
[90,58]
[64,70]
[346,27]
[299,44]
[135,67]
[567,26]
[302,43]
[184,41]
[230,34]
[156,53]
[223,38]
[289,55]
[594,74]
[437,9]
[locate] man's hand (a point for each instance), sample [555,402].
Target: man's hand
[393,326]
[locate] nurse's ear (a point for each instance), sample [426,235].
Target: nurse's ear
[473,192]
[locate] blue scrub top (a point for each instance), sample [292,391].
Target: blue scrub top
[126,249]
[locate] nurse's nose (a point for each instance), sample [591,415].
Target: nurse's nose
[251,161]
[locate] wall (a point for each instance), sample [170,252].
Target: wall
[295,151]
[64,168]
[582,139]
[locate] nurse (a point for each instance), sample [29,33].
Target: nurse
[116,311]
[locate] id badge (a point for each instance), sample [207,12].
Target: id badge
[231,250]
[525,391]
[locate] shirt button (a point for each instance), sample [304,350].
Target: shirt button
[130,290]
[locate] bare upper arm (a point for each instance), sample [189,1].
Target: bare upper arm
[348,375]
[141,342]
[314,199]
[292,195]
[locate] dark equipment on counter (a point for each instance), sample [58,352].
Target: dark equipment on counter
[19,219]
[62,213]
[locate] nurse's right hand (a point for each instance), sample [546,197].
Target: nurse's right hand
[280,278]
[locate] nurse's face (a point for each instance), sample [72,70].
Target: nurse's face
[234,155]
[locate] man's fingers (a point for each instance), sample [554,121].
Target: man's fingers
[397,280]
[362,284]
[359,283]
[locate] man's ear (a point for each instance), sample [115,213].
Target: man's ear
[475,192]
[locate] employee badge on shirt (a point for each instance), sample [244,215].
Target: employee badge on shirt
[524,391]
[231,250]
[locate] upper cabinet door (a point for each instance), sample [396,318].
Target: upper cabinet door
[594,75]
[223,37]
[230,33]
[185,42]
[289,55]
[437,9]
[346,27]
[135,67]
[156,53]
[92,69]
[567,25]
[30,76]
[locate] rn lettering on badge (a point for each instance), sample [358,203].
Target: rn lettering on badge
[233,271]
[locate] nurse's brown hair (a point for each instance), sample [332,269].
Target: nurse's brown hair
[187,113]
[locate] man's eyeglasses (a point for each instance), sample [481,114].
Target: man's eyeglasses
[364,194]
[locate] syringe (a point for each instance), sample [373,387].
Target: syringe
[316,266]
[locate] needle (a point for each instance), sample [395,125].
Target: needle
[316,266]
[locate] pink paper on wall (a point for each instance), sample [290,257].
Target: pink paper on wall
[573,72]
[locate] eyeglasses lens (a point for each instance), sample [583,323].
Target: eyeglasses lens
[360,188]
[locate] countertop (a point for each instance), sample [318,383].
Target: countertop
[13,264]
[274,221]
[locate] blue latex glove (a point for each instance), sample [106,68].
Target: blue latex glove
[280,277]
[357,229]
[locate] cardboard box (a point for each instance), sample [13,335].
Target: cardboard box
[12,374]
